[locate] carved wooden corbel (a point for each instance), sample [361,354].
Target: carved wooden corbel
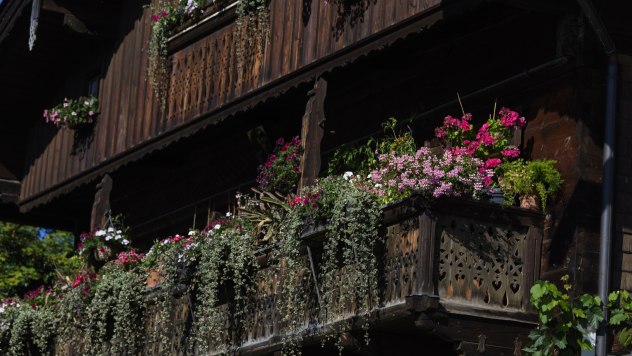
[312,133]
[101,204]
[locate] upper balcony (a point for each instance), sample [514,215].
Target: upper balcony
[208,80]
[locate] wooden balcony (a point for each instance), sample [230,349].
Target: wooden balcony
[207,84]
[445,269]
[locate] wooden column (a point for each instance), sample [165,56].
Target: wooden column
[312,133]
[101,204]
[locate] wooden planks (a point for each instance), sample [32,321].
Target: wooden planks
[205,78]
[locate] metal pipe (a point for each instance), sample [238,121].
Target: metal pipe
[607,192]
[607,185]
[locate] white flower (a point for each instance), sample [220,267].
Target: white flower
[73,113]
[119,231]
[110,229]
[228,214]
[125,242]
[347,175]
[217,227]
[99,233]
[108,237]
[117,237]
[369,176]
[86,103]
[378,185]
[192,233]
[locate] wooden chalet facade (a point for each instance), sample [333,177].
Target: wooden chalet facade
[166,168]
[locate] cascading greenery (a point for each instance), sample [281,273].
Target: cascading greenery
[253,21]
[158,67]
[25,331]
[226,266]
[349,273]
[293,270]
[115,313]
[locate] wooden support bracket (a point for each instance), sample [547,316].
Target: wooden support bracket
[312,133]
[101,204]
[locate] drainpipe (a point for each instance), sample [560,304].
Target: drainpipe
[607,192]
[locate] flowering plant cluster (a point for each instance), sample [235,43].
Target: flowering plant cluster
[452,174]
[490,141]
[129,259]
[169,248]
[102,245]
[73,113]
[281,171]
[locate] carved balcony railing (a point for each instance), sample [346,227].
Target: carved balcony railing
[458,257]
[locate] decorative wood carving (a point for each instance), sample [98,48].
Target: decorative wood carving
[312,133]
[482,264]
[101,204]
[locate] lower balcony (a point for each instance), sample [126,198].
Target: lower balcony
[454,272]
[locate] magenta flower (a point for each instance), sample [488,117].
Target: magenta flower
[511,152]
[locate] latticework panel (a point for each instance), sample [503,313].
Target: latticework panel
[481,263]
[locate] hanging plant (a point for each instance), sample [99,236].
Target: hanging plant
[227,263]
[348,271]
[115,313]
[348,276]
[253,20]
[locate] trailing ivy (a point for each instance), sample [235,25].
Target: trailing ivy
[227,263]
[293,270]
[349,268]
[115,314]
[25,330]
[253,21]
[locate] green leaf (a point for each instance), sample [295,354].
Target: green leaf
[618,316]
[579,313]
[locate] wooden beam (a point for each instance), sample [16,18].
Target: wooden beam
[9,191]
[101,204]
[70,19]
[312,133]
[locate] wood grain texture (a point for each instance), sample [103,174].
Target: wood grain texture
[206,79]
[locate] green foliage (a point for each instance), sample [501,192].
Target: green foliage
[227,263]
[361,159]
[620,308]
[348,271]
[26,331]
[26,261]
[115,313]
[158,67]
[349,267]
[521,177]
[253,21]
[565,322]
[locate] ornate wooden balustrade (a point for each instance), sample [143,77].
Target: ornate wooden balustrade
[441,260]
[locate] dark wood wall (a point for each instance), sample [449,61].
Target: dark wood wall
[204,81]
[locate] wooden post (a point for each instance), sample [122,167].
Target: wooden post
[312,133]
[101,204]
